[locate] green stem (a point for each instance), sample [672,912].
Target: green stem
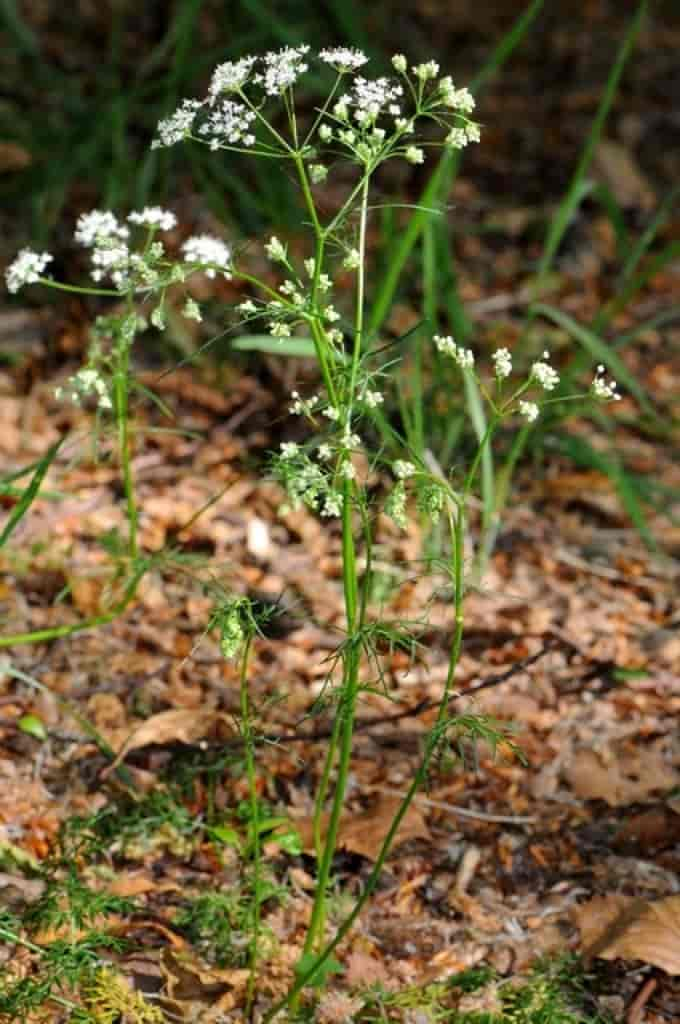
[457,528]
[344,731]
[249,744]
[78,289]
[55,632]
[120,390]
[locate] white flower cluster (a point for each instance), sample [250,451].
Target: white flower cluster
[502,361]
[107,238]
[230,77]
[232,107]
[102,233]
[463,357]
[370,98]
[154,217]
[206,249]
[98,226]
[603,389]
[371,398]
[344,59]
[177,126]
[229,124]
[306,482]
[529,410]
[279,329]
[460,100]
[402,469]
[276,250]
[282,68]
[26,268]
[544,374]
[84,383]
[461,136]
[303,406]
[395,505]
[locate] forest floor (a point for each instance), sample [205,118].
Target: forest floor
[571,639]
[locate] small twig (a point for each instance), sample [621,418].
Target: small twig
[636,1008]
[463,812]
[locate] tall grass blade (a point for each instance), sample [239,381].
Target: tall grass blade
[16,27]
[609,464]
[574,193]
[649,234]
[29,494]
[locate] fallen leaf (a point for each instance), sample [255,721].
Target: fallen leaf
[364,833]
[619,927]
[183,725]
[615,165]
[619,778]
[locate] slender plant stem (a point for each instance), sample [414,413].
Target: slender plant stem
[120,390]
[457,529]
[55,632]
[344,732]
[256,851]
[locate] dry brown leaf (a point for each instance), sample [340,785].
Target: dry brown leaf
[183,725]
[362,969]
[364,833]
[615,164]
[618,927]
[619,778]
[188,978]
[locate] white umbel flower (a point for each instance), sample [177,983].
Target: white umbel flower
[502,361]
[229,125]
[603,389]
[370,96]
[544,374]
[279,329]
[276,250]
[230,77]
[26,268]
[207,249]
[373,398]
[464,357]
[529,410]
[154,217]
[178,125]
[282,69]
[403,469]
[97,227]
[342,58]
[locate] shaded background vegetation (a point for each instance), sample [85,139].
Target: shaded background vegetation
[84,85]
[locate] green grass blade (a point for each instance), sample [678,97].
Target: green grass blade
[584,454]
[606,198]
[574,193]
[300,347]
[16,27]
[29,494]
[649,234]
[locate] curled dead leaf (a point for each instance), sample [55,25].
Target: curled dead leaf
[619,927]
[182,725]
